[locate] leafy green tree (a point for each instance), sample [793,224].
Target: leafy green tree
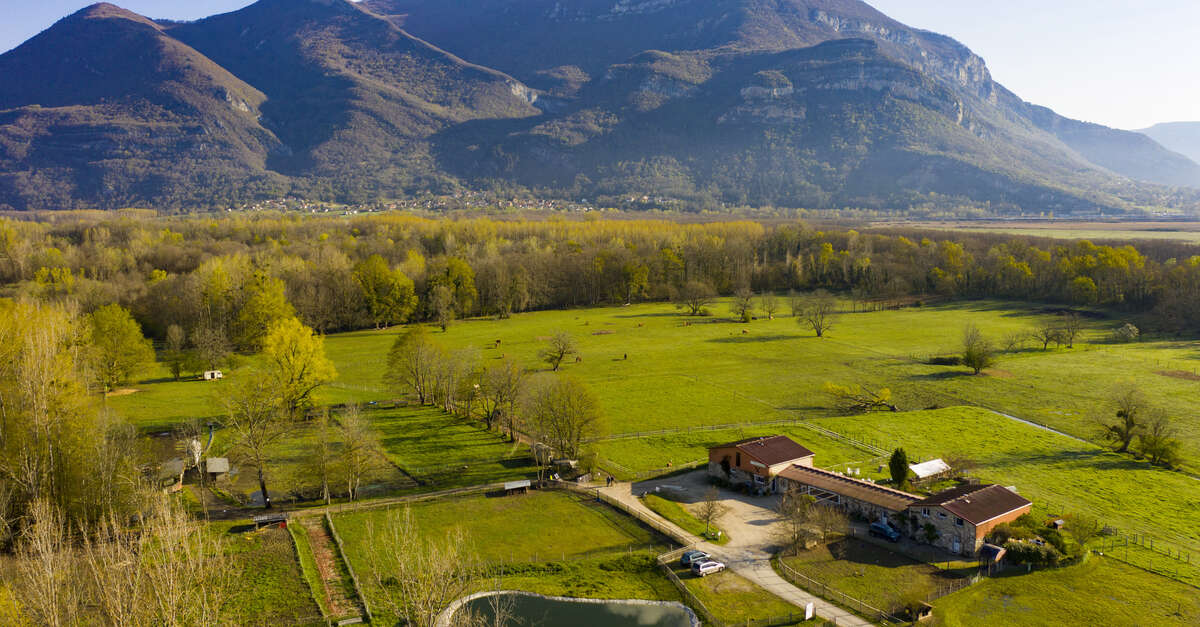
[388,294]
[459,279]
[441,304]
[265,304]
[1159,442]
[119,350]
[297,364]
[898,468]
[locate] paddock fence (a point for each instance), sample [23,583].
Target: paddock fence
[833,595]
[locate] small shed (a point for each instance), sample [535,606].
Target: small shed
[216,466]
[268,520]
[930,470]
[516,487]
[213,375]
[992,553]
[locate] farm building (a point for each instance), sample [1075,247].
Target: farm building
[872,501]
[963,515]
[931,470]
[757,460]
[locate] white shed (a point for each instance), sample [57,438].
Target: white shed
[931,468]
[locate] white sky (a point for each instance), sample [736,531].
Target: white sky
[1121,63]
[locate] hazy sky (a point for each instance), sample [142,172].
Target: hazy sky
[1123,63]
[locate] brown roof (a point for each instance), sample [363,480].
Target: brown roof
[976,503]
[864,491]
[770,449]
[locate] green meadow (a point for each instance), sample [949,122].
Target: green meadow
[546,542]
[1100,591]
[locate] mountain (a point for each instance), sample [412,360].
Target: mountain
[104,109]
[1182,137]
[800,103]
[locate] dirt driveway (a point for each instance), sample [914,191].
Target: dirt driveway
[749,520]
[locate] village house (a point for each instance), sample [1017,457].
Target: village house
[963,515]
[873,502]
[757,461]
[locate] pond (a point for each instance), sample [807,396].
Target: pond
[531,610]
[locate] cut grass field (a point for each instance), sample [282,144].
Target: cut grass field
[682,518]
[1098,592]
[547,542]
[875,576]
[735,600]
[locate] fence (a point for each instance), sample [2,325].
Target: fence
[834,595]
[664,563]
[674,534]
[631,435]
[337,539]
[1176,563]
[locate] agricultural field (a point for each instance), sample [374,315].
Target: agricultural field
[1100,591]
[875,576]
[1059,474]
[546,542]
[269,587]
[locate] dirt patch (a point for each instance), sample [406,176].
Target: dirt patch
[328,566]
[122,392]
[999,374]
[603,332]
[1179,374]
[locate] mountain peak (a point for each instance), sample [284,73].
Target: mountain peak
[107,11]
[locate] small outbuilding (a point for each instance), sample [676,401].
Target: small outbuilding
[216,467]
[516,487]
[931,470]
[213,375]
[278,519]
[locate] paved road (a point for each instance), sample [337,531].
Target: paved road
[749,522]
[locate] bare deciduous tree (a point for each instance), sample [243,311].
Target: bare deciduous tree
[557,348]
[742,305]
[1159,441]
[978,353]
[561,412]
[695,296]
[1130,407]
[1071,326]
[418,576]
[1047,332]
[710,509]
[500,388]
[361,452]
[769,304]
[255,416]
[858,399]
[818,313]
[411,363]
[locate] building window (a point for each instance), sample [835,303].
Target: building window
[739,460]
[941,514]
[958,521]
[925,512]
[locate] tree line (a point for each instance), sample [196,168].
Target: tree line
[208,288]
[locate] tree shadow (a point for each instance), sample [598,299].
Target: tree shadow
[941,376]
[750,338]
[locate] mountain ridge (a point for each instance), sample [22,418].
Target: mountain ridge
[813,103]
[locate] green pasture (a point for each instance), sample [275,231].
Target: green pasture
[735,600]
[682,518]
[1059,474]
[1098,592]
[268,585]
[546,541]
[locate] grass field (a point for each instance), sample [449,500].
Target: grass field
[268,585]
[734,600]
[875,576]
[1059,474]
[443,451]
[546,542]
[1098,592]
[682,518]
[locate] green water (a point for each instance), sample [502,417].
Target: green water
[538,612]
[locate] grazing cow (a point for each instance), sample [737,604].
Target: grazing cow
[745,331]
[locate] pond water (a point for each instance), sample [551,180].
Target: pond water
[535,611]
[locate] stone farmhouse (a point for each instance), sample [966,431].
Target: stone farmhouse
[960,516]
[758,461]
[965,514]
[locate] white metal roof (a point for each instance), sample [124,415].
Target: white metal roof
[930,468]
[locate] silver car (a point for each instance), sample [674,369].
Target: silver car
[707,567]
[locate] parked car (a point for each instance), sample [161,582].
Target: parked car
[690,557]
[884,530]
[707,567]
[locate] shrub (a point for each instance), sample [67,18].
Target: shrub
[1032,553]
[1004,532]
[1126,333]
[944,360]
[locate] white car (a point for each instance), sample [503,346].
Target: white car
[707,567]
